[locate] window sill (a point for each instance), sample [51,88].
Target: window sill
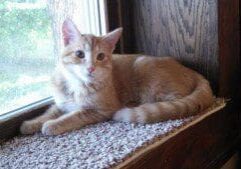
[10,122]
[206,144]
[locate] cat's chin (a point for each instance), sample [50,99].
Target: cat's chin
[93,82]
[85,78]
[89,80]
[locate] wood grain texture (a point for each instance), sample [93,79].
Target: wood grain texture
[184,29]
[203,35]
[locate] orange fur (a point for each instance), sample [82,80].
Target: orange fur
[131,88]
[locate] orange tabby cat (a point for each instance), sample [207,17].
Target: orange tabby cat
[92,85]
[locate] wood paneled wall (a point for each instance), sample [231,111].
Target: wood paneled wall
[204,35]
[184,29]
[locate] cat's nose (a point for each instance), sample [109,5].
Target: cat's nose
[91,69]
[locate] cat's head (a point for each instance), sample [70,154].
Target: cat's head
[88,57]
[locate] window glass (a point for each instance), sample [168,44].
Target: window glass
[30,43]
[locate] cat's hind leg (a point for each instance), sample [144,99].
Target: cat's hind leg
[34,125]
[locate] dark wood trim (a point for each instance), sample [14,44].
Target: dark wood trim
[114,19]
[229,47]
[120,15]
[229,54]
[10,122]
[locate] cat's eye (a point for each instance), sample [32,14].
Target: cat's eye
[100,56]
[80,54]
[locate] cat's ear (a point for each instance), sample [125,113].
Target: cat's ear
[113,37]
[70,32]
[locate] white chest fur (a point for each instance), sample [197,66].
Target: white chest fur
[73,99]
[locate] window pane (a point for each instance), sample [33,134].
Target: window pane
[31,42]
[26,53]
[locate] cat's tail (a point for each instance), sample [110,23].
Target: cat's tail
[200,99]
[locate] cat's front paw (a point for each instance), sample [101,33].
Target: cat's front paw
[30,127]
[51,128]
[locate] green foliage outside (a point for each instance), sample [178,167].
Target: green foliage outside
[23,29]
[26,52]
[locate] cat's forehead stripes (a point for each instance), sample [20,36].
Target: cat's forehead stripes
[87,42]
[91,43]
